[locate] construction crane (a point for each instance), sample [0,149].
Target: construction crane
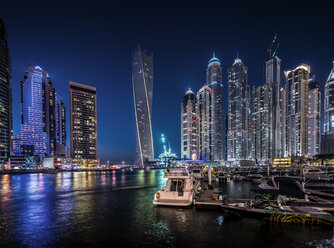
[272,46]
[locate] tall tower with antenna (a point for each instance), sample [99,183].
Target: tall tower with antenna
[273,79]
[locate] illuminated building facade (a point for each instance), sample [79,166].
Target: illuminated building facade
[261,123]
[189,127]
[5,97]
[327,138]
[238,112]
[205,113]
[142,81]
[60,121]
[83,122]
[37,112]
[296,113]
[314,115]
[214,81]
[273,79]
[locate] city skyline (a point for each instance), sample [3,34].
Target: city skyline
[115,147]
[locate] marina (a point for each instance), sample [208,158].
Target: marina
[70,209]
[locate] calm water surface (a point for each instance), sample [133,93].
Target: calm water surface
[104,209]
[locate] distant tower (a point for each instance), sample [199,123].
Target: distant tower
[142,80]
[261,121]
[37,113]
[189,126]
[214,81]
[60,116]
[296,113]
[205,100]
[327,138]
[273,79]
[83,122]
[314,115]
[5,97]
[238,112]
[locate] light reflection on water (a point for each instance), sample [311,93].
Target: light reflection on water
[93,208]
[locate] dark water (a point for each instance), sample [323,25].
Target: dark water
[114,209]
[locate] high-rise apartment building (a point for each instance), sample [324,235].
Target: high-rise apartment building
[296,112]
[37,113]
[327,138]
[142,81]
[5,97]
[205,111]
[261,123]
[273,79]
[314,115]
[60,122]
[238,112]
[83,122]
[189,126]
[214,81]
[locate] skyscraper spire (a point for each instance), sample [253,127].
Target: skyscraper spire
[213,54]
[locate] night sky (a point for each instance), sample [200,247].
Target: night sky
[92,43]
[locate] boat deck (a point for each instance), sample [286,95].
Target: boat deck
[206,200]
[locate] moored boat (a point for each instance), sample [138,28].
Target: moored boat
[180,189]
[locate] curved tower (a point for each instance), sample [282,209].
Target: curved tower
[327,137]
[189,126]
[5,97]
[142,81]
[214,81]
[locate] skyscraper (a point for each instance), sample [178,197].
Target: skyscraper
[327,138]
[314,115]
[261,123]
[83,119]
[189,126]
[214,81]
[273,79]
[205,100]
[60,120]
[238,112]
[296,113]
[5,96]
[37,112]
[142,81]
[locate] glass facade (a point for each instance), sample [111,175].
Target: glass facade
[214,81]
[238,112]
[327,138]
[142,81]
[5,97]
[189,126]
[273,79]
[314,115]
[37,112]
[296,112]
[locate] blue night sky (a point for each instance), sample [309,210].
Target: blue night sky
[92,43]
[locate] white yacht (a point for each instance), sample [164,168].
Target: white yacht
[197,173]
[180,189]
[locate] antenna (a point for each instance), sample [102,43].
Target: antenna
[214,54]
[274,53]
[272,45]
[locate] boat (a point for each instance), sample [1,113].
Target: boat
[180,189]
[255,178]
[197,173]
[311,195]
[321,189]
[274,211]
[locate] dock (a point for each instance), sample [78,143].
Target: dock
[208,199]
